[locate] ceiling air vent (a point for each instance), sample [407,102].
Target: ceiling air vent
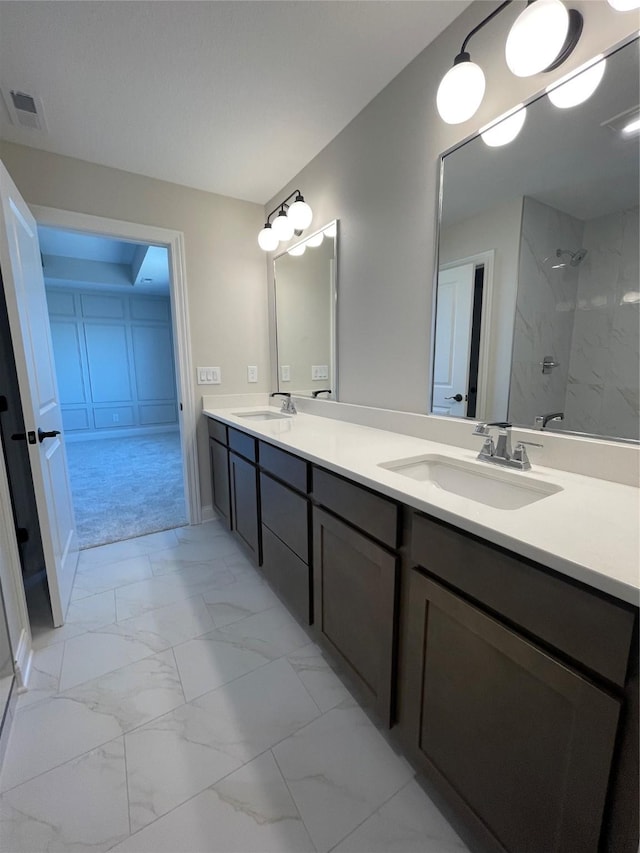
[25,110]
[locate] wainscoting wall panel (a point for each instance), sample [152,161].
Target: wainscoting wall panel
[114,360]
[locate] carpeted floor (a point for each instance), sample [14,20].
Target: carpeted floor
[125,487]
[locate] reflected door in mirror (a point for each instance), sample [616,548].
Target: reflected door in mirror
[453,341]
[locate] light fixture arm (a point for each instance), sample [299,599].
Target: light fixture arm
[482,23]
[283,204]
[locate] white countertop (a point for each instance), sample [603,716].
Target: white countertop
[589,531]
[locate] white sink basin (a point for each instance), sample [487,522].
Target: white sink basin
[261,416]
[477,481]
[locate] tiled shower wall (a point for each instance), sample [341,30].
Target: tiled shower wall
[586,317]
[545,311]
[604,371]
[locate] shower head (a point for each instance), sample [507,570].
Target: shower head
[576,257]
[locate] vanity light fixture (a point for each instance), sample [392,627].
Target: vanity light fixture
[542,37]
[290,219]
[577,87]
[282,226]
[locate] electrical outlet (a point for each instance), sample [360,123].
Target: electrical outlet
[252,373]
[285,373]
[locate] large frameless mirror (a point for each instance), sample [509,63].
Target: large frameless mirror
[538,294]
[305,303]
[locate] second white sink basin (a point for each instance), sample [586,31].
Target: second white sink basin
[477,481]
[261,416]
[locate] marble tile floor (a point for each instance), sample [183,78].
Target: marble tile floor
[181,709]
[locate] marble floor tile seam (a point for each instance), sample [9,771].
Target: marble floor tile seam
[126,781]
[71,760]
[375,811]
[179,805]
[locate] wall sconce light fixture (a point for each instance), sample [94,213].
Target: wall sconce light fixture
[290,219]
[543,36]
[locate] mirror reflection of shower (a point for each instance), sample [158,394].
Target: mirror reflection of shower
[575,258]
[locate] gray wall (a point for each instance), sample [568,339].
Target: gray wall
[379,178]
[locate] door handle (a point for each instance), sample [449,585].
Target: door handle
[457,397]
[51,434]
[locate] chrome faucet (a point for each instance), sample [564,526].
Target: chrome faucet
[288,405]
[500,453]
[540,421]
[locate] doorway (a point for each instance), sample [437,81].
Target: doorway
[110,316]
[173,245]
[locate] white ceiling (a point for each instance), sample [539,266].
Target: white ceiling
[230,97]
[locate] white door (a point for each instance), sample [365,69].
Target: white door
[21,267]
[453,341]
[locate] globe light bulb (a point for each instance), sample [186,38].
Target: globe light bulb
[577,87]
[267,239]
[331,230]
[537,37]
[461,91]
[504,129]
[300,214]
[298,250]
[624,5]
[282,226]
[316,240]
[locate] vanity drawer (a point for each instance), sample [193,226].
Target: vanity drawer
[286,514]
[290,469]
[372,513]
[243,444]
[590,629]
[217,430]
[288,575]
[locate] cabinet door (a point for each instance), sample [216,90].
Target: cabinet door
[354,605]
[522,739]
[219,457]
[244,503]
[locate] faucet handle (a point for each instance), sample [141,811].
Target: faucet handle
[529,443]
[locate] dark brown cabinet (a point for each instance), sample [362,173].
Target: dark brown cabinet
[354,606]
[219,460]
[523,740]
[243,477]
[285,545]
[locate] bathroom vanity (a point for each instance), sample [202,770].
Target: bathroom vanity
[487,631]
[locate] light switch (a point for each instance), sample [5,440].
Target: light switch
[252,373]
[208,375]
[285,373]
[319,371]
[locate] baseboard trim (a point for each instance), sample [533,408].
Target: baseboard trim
[23,661]
[207,512]
[125,432]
